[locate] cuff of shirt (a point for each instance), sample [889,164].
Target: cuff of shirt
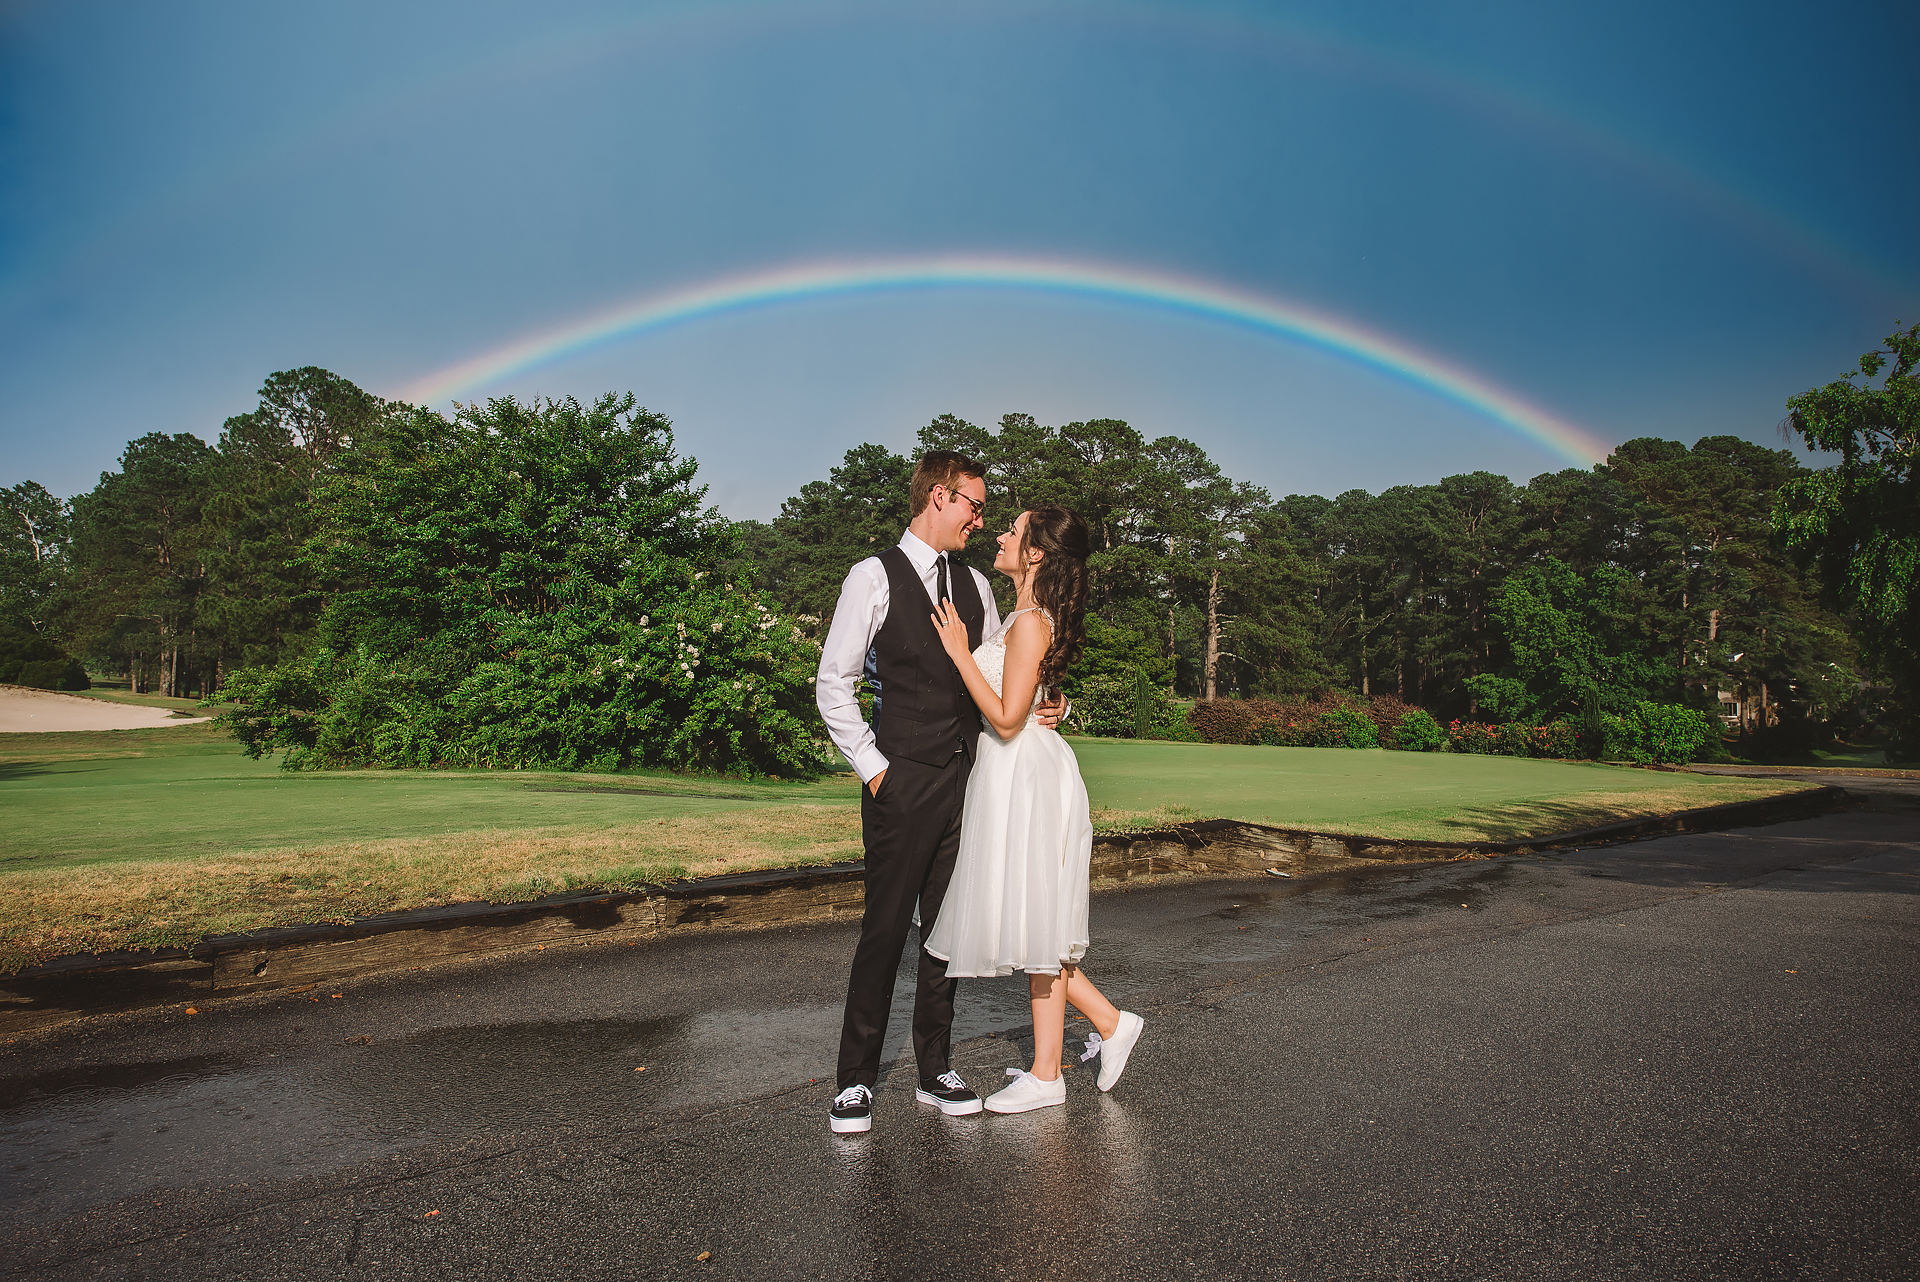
[869,764]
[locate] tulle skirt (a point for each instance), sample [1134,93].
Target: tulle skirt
[1018,898]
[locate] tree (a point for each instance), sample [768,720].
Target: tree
[1858,522]
[137,565]
[35,531]
[260,601]
[531,586]
[857,512]
[1274,626]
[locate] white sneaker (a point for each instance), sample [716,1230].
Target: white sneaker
[1114,1050]
[852,1111]
[1027,1093]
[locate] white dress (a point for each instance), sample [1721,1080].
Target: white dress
[1018,898]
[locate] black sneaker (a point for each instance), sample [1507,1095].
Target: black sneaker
[950,1094]
[852,1110]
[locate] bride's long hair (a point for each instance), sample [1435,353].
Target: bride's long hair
[1060,584]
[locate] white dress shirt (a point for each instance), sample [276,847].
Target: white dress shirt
[856,621]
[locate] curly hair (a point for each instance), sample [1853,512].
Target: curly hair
[1060,584]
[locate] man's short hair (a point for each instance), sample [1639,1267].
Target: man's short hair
[941,469]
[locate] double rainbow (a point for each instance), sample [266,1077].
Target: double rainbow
[1094,282]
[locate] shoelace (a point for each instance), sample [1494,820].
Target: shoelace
[952,1081]
[852,1095]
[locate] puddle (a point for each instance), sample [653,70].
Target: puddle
[88,1136]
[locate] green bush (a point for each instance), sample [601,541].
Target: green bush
[1622,739]
[1791,737]
[28,659]
[1120,707]
[53,674]
[1417,731]
[1344,728]
[1671,733]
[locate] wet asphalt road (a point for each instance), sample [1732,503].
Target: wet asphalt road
[1690,1057]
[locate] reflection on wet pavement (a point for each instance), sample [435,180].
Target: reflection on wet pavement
[90,1136]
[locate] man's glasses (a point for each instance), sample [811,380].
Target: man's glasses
[979,508]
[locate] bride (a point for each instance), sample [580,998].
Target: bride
[1018,899]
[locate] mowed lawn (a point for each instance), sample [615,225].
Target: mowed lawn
[146,838]
[1426,796]
[115,795]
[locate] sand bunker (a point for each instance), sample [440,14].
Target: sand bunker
[26,710]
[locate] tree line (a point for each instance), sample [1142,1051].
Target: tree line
[188,562]
[328,537]
[1655,576]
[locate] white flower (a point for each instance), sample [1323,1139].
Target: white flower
[717,625]
[643,620]
[736,685]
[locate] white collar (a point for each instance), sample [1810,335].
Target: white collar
[921,556]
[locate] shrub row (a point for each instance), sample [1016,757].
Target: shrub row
[1332,720]
[1648,732]
[1514,739]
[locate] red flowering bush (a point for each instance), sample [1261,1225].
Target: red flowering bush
[1559,740]
[1474,737]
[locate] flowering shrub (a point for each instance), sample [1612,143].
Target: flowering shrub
[1515,739]
[1559,740]
[1473,737]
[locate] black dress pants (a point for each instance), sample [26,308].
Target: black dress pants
[912,836]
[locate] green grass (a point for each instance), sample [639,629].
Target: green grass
[1412,795]
[169,793]
[145,838]
[110,695]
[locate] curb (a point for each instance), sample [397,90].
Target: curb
[1737,771]
[301,957]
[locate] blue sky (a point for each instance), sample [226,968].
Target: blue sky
[1643,219]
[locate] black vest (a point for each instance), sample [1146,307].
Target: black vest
[921,708]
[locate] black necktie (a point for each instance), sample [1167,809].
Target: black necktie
[940,580]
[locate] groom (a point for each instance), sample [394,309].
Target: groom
[914,760]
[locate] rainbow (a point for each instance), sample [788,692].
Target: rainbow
[1094,282]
